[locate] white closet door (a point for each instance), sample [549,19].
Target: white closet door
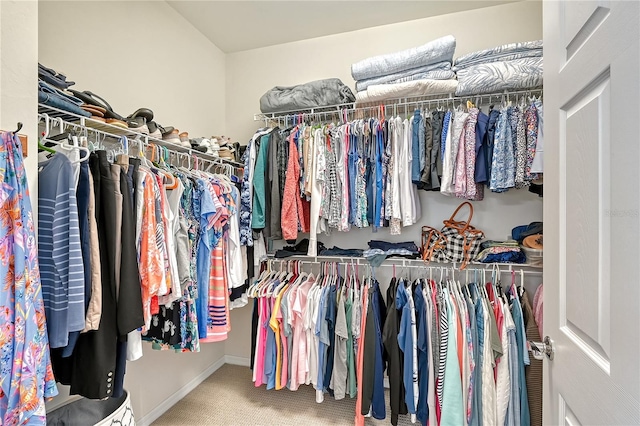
[591,205]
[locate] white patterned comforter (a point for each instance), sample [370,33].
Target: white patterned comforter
[519,74]
[507,52]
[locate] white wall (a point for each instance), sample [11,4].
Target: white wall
[251,73]
[139,54]
[19,78]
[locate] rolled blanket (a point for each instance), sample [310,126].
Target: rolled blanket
[319,93]
[435,51]
[507,52]
[439,71]
[519,74]
[381,92]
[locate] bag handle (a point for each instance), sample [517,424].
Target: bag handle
[462,227]
[438,244]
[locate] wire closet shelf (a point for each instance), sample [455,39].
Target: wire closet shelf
[411,264]
[79,122]
[394,104]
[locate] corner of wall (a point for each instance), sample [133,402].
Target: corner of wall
[18,78]
[165,405]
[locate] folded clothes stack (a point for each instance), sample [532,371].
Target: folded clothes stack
[380,250]
[419,71]
[514,66]
[337,251]
[52,91]
[300,249]
[501,252]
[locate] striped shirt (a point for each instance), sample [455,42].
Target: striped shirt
[59,252]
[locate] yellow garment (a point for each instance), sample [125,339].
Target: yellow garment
[274,324]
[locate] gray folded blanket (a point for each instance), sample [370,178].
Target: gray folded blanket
[319,93]
[439,71]
[439,50]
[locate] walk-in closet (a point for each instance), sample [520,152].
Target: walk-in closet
[319,212]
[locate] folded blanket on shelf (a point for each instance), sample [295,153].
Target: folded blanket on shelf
[439,71]
[519,74]
[381,92]
[435,51]
[319,93]
[505,52]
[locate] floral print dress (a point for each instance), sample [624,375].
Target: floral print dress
[26,376]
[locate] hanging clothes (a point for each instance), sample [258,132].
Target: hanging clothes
[393,353]
[408,344]
[454,354]
[152,253]
[25,364]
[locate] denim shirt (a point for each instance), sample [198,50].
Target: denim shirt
[379,149]
[477,384]
[405,341]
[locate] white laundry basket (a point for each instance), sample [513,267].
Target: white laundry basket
[84,412]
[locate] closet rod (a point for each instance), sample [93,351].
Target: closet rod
[396,102]
[58,120]
[412,264]
[143,145]
[115,131]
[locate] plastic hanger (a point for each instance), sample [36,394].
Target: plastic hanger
[251,291]
[47,129]
[265,281]
[483,287]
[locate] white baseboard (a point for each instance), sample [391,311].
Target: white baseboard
[237,360]
[181,393]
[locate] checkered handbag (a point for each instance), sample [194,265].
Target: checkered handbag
[462,239]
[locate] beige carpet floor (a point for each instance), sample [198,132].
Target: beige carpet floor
[228,397]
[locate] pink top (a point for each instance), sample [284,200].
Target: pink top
[538,308]
[291,203]
[261,342]
[218,296]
